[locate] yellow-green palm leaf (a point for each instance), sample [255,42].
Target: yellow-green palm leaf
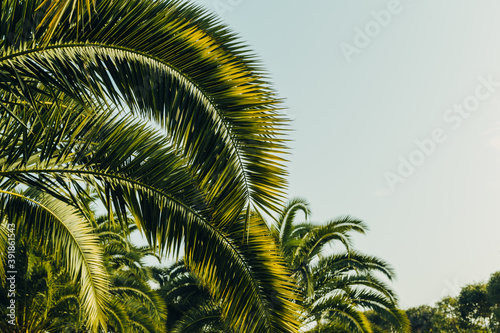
[60,231]
[165,113]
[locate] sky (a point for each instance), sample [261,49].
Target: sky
[396,117]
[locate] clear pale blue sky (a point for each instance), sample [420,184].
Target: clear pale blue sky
[354,121]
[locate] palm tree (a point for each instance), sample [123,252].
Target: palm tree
[134,305]
[163,111]
[49,236]
[190,306]
[337,288]
[48,299]
[346,288]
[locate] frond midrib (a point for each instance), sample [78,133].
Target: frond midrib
[107,175]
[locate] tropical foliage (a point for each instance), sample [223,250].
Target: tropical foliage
[159,112]
[48,298]
[190,306]
[337,288]
[134,306]
[50,235]
[162,111]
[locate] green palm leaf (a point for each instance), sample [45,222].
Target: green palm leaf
[284,229]
[78,97]
[67,236]
[201,319]
[342,313]
[338,287]
[190,76]
[138,172]
[262,286]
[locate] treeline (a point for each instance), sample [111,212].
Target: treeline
[475,309]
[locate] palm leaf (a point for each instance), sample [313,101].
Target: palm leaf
[141,174]
[218,152]
[344,262]
[259,298]
[283,231]
[55,10]
[340,311]
[58,228]
[191,76]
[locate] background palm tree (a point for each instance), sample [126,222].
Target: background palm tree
[48,299]
[347,287]
[339,287]
[134,305]
[161,110]
[50,236]
[190,306]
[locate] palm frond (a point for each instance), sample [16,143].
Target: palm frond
[260,296]
[56,10]
[344,262]
[340,311]
[191,76]
[314,241]
[201,319]
[80,88]
[284,226]
[61,231]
